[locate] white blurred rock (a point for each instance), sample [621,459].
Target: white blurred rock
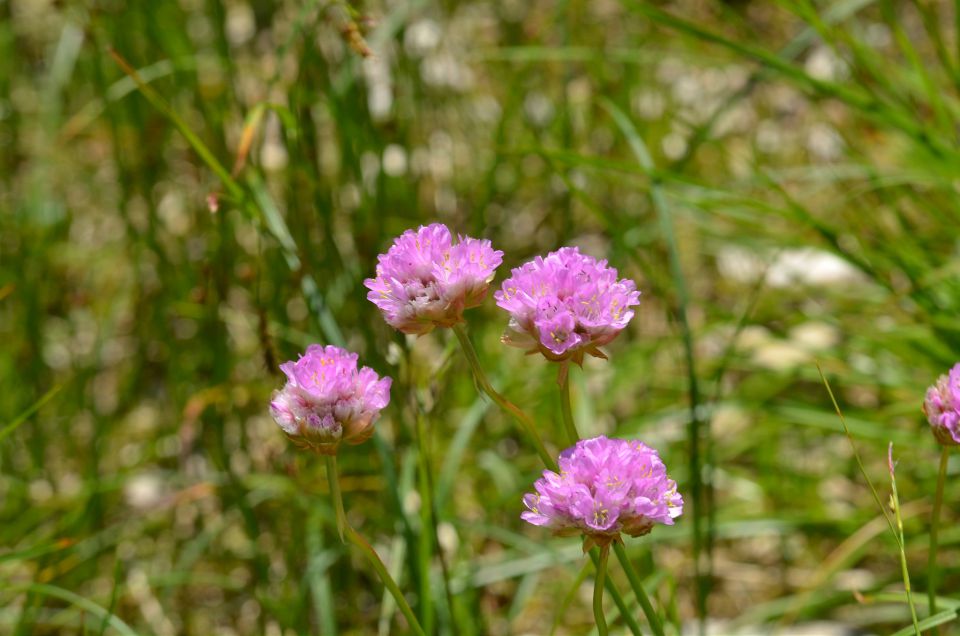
[795,266]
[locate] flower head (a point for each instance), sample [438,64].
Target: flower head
[942,407]
[425,280]
[566,305]
[326,400]
[605,487]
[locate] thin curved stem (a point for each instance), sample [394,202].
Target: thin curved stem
[352,536]
[434,513]
[934,530]
[655,625]
[898,533]
[336,495]
[563,379]
[598,616]
[427,528]
[618,599]
[483,383]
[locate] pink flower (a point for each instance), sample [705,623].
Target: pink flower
[425,280]
[566,305]
[942,407]
[326,400]
[605,487]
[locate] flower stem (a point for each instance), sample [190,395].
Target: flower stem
[898,533]
[483,383]
[934,528]
[563,379]
[427,528]
[618,599]
[655,625]
[352,536]
[335,493]
[598,616]
[528,425]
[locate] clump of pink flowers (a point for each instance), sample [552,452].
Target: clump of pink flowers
[605,487]
[566,305]
[942,407]
[426,280]
[328,400]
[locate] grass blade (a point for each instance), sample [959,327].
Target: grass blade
[36,406]
[44,589]
[696,431]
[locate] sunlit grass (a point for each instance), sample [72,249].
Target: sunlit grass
[779,178]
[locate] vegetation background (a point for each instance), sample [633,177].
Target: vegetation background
[780,177]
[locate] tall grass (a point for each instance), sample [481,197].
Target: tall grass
[193,191]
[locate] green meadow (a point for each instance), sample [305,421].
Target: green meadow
[194,191]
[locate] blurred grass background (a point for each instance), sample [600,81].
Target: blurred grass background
[781,179]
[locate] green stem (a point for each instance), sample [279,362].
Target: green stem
[528,425]
[655,625]
[598,592]
[352,536]
[901,545]
[435,518]
[563,379]
[427,528]
[484,385]
[618,600]
[934,528]
[335,493]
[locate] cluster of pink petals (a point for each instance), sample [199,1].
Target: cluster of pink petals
[566,305]
[327,400]
[605,487]
[942,407]
[425,280]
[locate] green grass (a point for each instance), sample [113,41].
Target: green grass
[697,146]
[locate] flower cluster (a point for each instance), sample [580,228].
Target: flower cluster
[942,407]
[566,305]
[605,487]
[327,400]
[425,280]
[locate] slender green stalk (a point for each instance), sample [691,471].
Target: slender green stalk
[425,552]
[432,514]
[335,494]
[895,524]
[352,536]
[895,500]
[36,406]
[698,431]
[932,570]
[528,425]
[483,383]
[598,616]
[563,379]
[618,600]
[655,625]
[568,598]
[856,453]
